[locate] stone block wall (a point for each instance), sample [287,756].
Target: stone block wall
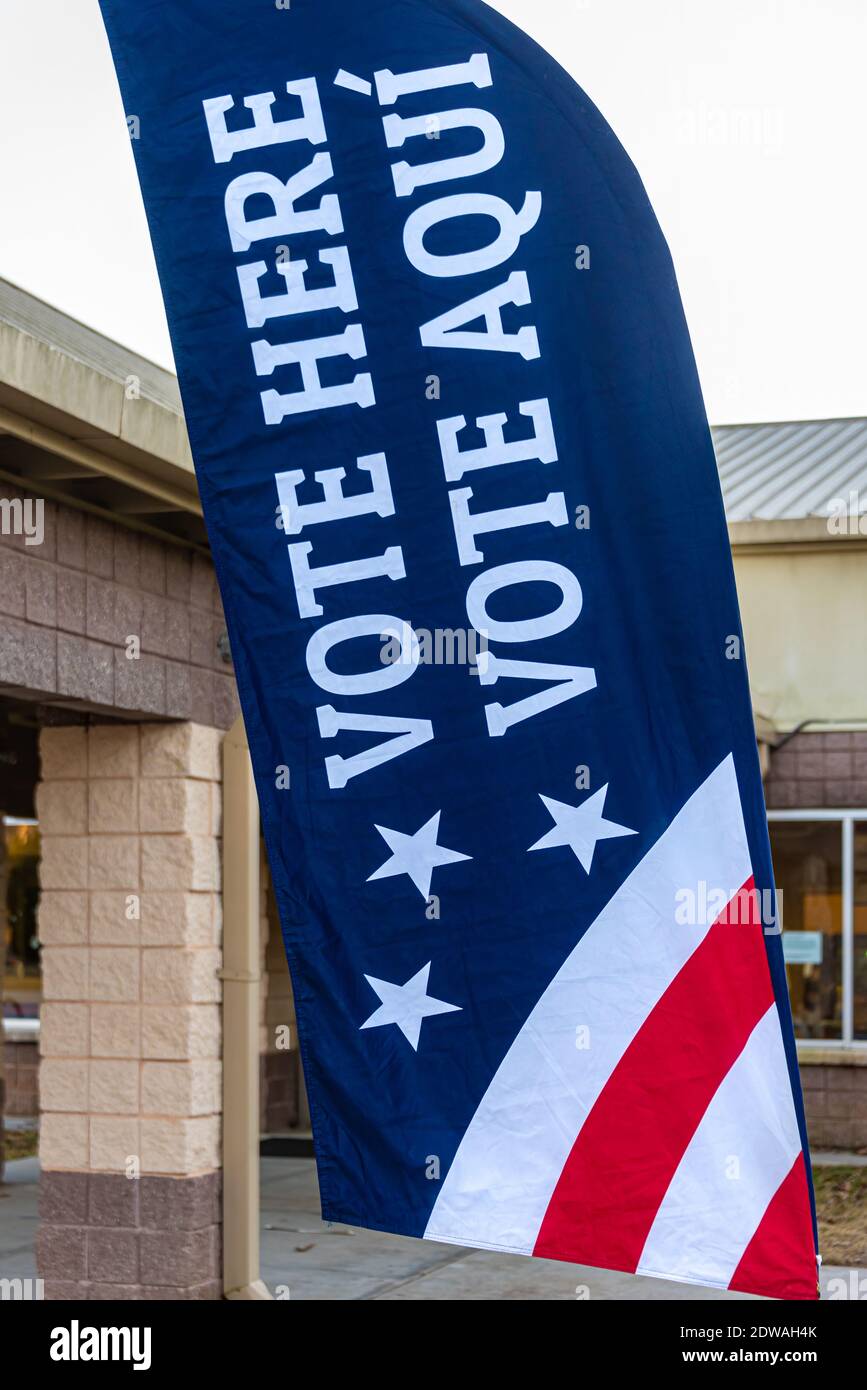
[835,1100]
[69,605]
[818,770]
[130,1078]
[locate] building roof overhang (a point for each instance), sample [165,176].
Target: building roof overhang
[87,422]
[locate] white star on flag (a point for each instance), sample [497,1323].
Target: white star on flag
[417,855]
[581,827]
[406,1005]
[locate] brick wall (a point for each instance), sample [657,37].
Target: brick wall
[835,1100]
[130,1077]
[21,1060]
[818,770]
[69,605]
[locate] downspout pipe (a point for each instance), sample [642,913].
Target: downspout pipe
[241,986]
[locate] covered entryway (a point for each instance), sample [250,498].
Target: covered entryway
[116,688]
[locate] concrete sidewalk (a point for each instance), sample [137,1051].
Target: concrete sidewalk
[302,1258]
[18,1218]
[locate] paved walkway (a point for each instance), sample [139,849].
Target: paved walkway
[18,1218]
[312,1261]
[828,1158]
[302,1258]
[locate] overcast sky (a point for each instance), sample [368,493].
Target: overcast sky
[746,119]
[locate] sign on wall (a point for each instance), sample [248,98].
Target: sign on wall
[803,947]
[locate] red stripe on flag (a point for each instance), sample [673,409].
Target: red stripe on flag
[782,1244]
[627,1152]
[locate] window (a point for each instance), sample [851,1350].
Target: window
[19,859]
[859,981]
[820,866]
[20,886]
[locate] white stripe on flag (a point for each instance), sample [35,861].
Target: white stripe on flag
[513,1152]
[739,1155]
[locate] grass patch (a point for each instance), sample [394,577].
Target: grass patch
[21,1143]
[841,1206]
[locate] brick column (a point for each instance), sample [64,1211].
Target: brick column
[131,1102]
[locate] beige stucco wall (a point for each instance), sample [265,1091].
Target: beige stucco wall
[805,626]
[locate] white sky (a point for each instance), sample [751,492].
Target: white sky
[746,119]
